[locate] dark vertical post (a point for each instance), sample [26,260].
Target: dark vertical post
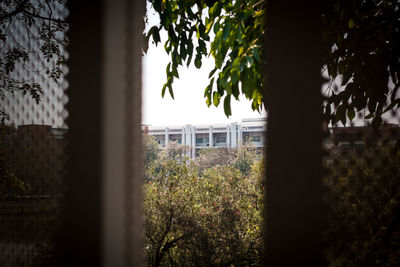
[293,101]
[134,155]
[79,243]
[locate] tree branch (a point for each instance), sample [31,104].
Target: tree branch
[149,237]
[172,242]
[167,227]
[44,18]
[258,3]
[18,9]
[169,245]
[51,13]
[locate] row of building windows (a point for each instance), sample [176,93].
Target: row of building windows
[229,136]
[252,133]
[204,141]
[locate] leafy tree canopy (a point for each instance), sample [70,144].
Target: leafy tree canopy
[363,203]
[203,214]
[360,39]
[230,31]
[32,38]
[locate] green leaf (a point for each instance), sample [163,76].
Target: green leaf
[241,50]
[256,54]
[190,53]
[202,47]
[235,91]
[227,106]
[351,114]
[209,26]
[202,29]
[156,36]
[167,46]
[171,34]
[254,105]
[328,111]
[241,66]
[249,60]
[392,105]
[182,50]
[175,72]
[216,98]
[376,121]
[226,31]
[351,23]
[212,73]
[171,91]
[341,114]
[369,116]
[236,63]
[215,10]
[216,27]
[259,13]
[208,101]
[223,80]
[167,71]
[197,61]
[208,91]
[163,90]
[218,61]
[234,76]
[150,32]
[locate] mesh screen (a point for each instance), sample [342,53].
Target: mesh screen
[362,190]
[32,133]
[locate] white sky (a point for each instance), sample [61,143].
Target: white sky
[189,106]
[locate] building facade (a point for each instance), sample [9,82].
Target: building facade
[249,131]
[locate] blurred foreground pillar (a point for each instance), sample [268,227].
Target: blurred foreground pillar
[102,222]
[293,100]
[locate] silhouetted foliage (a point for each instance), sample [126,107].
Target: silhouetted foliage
[10,184]
[363,200]
[361,42]
[32,40]
[31,160]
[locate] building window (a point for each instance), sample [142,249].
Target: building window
[202,140]
[177,138]
[160,139]
[253,137]
[219,139]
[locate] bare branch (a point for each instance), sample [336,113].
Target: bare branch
[44,18]
[18,9]
[150,238]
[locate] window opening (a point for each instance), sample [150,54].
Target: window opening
[203,177]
